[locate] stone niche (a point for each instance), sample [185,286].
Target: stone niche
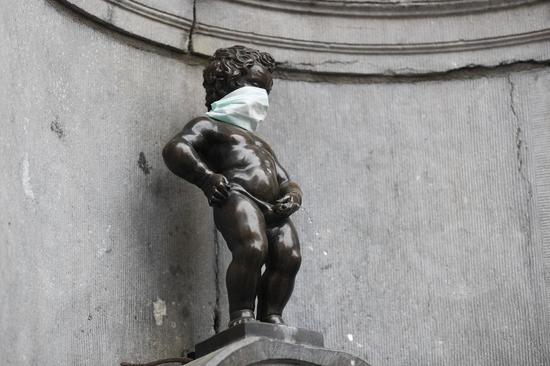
[359,37]
[441,236]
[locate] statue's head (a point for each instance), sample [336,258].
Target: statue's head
[234,67]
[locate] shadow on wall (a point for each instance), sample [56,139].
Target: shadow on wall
[175,256]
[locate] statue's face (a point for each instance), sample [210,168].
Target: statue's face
[258,76]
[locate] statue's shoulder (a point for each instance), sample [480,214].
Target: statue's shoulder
[201,123]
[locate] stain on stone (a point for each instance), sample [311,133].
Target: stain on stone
[396,191]
[90,317]
[188,353]
[57,128]
[143,164]
[325,267]
[26,178]
[159,311]
[160,188]
[185,312]
[102,251]
[175,270]
[109,16]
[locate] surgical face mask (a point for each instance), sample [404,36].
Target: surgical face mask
[245,107]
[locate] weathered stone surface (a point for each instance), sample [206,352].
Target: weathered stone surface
[167,23]
[438,241]
[264,351]
[358,37]
[257,329]
[104,254]
[531,102]
[355,38]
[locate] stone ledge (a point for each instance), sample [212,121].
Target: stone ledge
[256,329]
[335,38]
[253,351]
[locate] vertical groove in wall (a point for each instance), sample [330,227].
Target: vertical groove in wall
[540,147]
[189,45]
[530,103]
[217,285]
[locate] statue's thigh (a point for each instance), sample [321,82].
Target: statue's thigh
[283,241]
[241,223]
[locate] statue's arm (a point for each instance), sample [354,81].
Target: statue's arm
[290,193]
[287,186]
[181,155]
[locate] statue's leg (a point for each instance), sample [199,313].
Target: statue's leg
[282,266]
[242,225]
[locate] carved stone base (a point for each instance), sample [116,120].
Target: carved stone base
[269,345]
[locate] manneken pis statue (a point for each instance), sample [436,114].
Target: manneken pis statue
[251,193]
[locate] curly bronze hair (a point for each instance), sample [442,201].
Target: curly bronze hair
[227,66]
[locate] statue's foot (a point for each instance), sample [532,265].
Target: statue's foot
[241,317]
[274,319]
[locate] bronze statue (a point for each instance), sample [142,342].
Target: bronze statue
[251,193]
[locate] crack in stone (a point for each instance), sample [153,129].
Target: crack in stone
[512,99]
[520,152]
[291,65]
[519,131]
[192,29]
[408,75]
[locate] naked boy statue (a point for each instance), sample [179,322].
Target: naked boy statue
[251,194]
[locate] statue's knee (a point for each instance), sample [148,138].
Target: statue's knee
[289,261]
[253,253]
[295,261]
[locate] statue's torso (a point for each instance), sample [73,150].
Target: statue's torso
[243,158]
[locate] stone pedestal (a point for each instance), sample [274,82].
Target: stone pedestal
[269,345]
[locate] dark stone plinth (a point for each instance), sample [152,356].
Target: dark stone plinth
[283,333]
[255,351]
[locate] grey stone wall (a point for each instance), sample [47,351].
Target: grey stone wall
[424,229]
[418,230]
[97,236]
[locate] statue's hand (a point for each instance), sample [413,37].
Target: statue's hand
[216,188]
[288,204]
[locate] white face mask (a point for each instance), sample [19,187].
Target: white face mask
[244,108]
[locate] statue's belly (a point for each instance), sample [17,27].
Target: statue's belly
[261,182]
